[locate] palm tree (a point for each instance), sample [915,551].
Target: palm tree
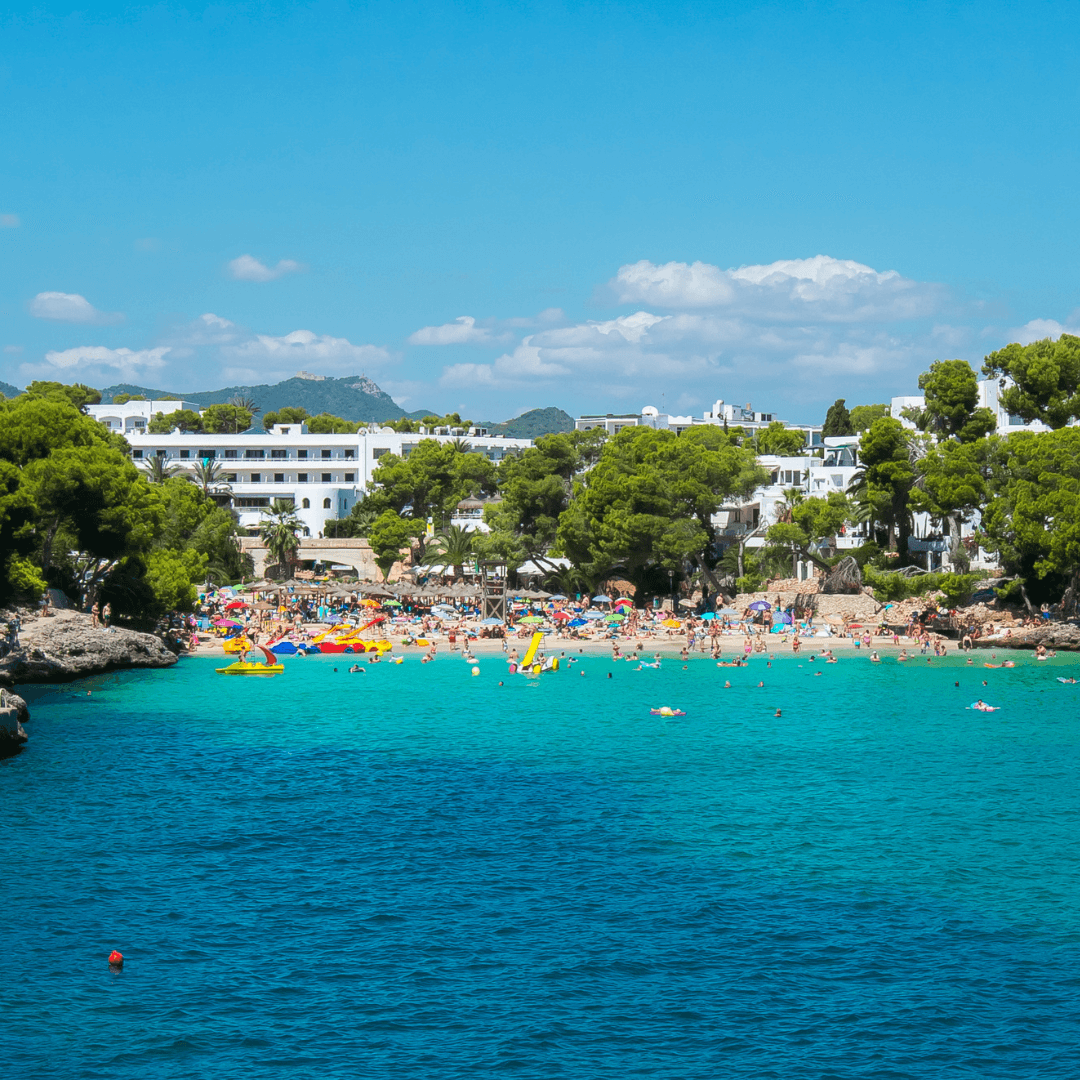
[452,547]
[208,477]
[280,532]
[242,401]
[460,445]
[158,471]
[792,497]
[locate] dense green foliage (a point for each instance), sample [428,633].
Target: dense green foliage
[390,536]
[646,507]
[1045,377]
[79,394]
[77,514]
[1033,517]
[837,421]
[431,481]
[780,440]
[951,391]
[862,416]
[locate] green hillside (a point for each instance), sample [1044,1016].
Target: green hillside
[352,398]
[529,425]
[8,390]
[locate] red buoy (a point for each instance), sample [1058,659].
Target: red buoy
[116,959]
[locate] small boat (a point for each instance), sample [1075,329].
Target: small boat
[273,666]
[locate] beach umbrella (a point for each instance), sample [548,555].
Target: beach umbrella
[578,622]
[673,623]
[235,604]
[615,618]
[491,622]
[727,611]
[760,605]
[531,619]
[392,603]
[369,603]
[562,616]
[557,596]
[783,617]
[593,614]
[708,615]
[601,599]
[229,623]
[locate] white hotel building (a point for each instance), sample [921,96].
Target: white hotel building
[322,475]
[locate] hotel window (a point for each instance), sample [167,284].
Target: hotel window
[253,501]
[279,478]
[256,478]
[302,455]
[350,455]
[254,453]
[230,455]
[278,455]
[230,478]
[207,455]
[350,477]
[326,478]
[326,504]
[136,454]
[185,454]
[306,504]
[301,478]
[379,451]
[326,455]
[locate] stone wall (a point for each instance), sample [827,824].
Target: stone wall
[854,608]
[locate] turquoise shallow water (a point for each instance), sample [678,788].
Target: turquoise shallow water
[419,873]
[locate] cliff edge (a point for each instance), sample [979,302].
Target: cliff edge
[66,646]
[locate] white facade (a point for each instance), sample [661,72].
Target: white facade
[720,414]
[323,475]
[135,416]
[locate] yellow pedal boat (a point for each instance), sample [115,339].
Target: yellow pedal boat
[273,666]
[247,667]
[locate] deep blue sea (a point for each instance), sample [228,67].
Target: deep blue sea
[420,873]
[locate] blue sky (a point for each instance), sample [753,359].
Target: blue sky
[498,207]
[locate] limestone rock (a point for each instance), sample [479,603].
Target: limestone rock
[66,646]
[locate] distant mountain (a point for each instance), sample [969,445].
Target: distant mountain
[8,390]
[535,422]
[352,398]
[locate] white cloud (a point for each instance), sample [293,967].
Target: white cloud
[303,348]
[1037,329]
[72,363]
[13,348]
[821,288]
[248,268]
[9,221]
[70,307]
[462,331]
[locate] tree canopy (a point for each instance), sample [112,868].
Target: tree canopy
[1045,378]
[647,505]
[951,392]
[780,440]
[862,416]
[77,514]
[837,420]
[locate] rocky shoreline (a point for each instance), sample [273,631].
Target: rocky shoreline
[67,647]
[13,712]
[61,648]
